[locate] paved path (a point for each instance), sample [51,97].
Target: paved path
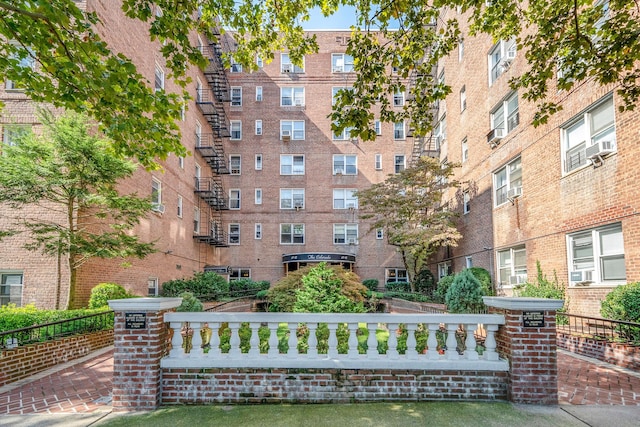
[84,386]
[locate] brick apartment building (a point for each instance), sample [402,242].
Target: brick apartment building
[564,194]
[269,188]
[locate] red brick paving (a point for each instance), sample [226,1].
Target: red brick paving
[86,386]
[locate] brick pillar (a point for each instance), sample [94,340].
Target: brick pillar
[528,341]
[140,341]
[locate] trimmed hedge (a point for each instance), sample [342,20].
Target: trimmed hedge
[13,317]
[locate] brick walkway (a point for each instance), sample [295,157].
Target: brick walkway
[85,386]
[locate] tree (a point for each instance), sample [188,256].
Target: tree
[465,294]
[73,173]
[322,292]
[408,207]
[586,39]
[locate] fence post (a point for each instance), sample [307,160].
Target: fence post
[140,341]
[528,341]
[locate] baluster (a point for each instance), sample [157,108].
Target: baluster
[333,340]
[234,341]
[214,345]
[392,351]
[176,340]
[490,343]
[372,341]
[254,351]
[451,352]
[273,340]
[312,351]
[196,339]
[293,340]
[353,340]
[432,341]
[411,353]
[470,352]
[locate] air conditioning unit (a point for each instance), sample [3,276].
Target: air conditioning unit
[351,206]
[511,54]
[286,68]
[514,193]
[157,207]
[351,241]
[582,276]
[517,279]
[286,136]
[339,172]
[600,148]
[495,136]
[337,70]
[298,102]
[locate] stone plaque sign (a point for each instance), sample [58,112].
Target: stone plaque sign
[135,320]
[533,319]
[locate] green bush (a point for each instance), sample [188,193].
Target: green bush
[371,284]
[13,317]
[322,292]
[542,287]
[424,282]
[443,287]
[189,303]
[484,277]
[247,287]
[465,294]
[103,292]
[398,287]
[408,296]
[623,303]
[207,286]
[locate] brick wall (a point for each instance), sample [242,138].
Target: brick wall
[28,360]
[327,385]
[624,355]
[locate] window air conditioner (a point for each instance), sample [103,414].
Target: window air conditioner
[338,69]
[511,54]
[600,148]
[157,207]
[286,68]
[514,193]
[351,205]
[351,241]
[582,276]
[286,136]
[517,279]
[495,136]
[339,172]
[298,102]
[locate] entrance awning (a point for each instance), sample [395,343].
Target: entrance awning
[319,257]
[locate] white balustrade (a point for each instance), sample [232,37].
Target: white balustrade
[252,340]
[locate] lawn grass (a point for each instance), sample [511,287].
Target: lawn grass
[459,414]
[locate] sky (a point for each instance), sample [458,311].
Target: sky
[341,20]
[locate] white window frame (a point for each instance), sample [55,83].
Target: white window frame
[509,273]
[345,135]
[259,96]
[196,219]
[466,202]
[292,232]
[341,63]
[464,146]
[398,99]
[377,126]
[235,128]
[235,164]
[506,114]
[179,207]
[258,162]
[198,133]
[468,261]
[158,79]
[601,253]
[345,164]
[296,129]
[335,90]
[199,91]
[286,66]
[378,162]
[235,199]
[27,62]
[258,196]
[463,98]
[440,132]
[292,96]
[156,193]
[507,178]
[399,163]
[258,127]
[236,96]
[344,198]
[460,50]
[296,163]
[239,273]
[497,59]
[444,269]
[258,231]
[234,66]
[234,234]
[7,292]
[292,198]
[399,131]
[152,287]
[345,234]
[395,275]
[379,233]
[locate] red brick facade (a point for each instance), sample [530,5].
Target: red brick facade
[623,355]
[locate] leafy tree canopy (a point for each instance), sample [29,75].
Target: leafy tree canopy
[588,40]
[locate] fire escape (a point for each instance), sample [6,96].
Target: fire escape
[211,99]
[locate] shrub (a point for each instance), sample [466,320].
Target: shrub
[424,282]
[371,284]
[408,296]
[443,287]
[465,294]
[542,287]
[623,303]
[247,287]
[103,292]
[398,287]
[325,291]
[207,285]
[484,277]
[13,317]
[189,303]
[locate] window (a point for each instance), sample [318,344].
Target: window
[440,132]
[398,130]
[179,207]
[11,288]
[258,93]
[292,198]
[500,58]
[508,109]
[258,196]
[235,163]
[198,132]
[258,162]
[239,273]
[444,269]
[234,199]
[197,171]
[258,230]
[465,150]
[468,261]
[235,67]
[156,195]
[291,234]
[181,162]
[292,128]
[236,96]
[597,255]
[512,266]
[152,286]
[199,91]
[159,79]
[335,90]
[460,50]
[344,135]
[378,127]
[345,164]
[236,130]
[398,99]
[379,233]
[258,127]
[345,234]
[291,165]
[234,234]
[259,61]
[27,62]
[292,96]
[12,133]
[286,66]
[344,198]
[393,275]
[378,162]
[196,220]
[466,202]
[507,182]
[593,132]
[341,63]
[399,163]
[463,98]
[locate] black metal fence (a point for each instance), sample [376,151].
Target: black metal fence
[598,328]
[54,330]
